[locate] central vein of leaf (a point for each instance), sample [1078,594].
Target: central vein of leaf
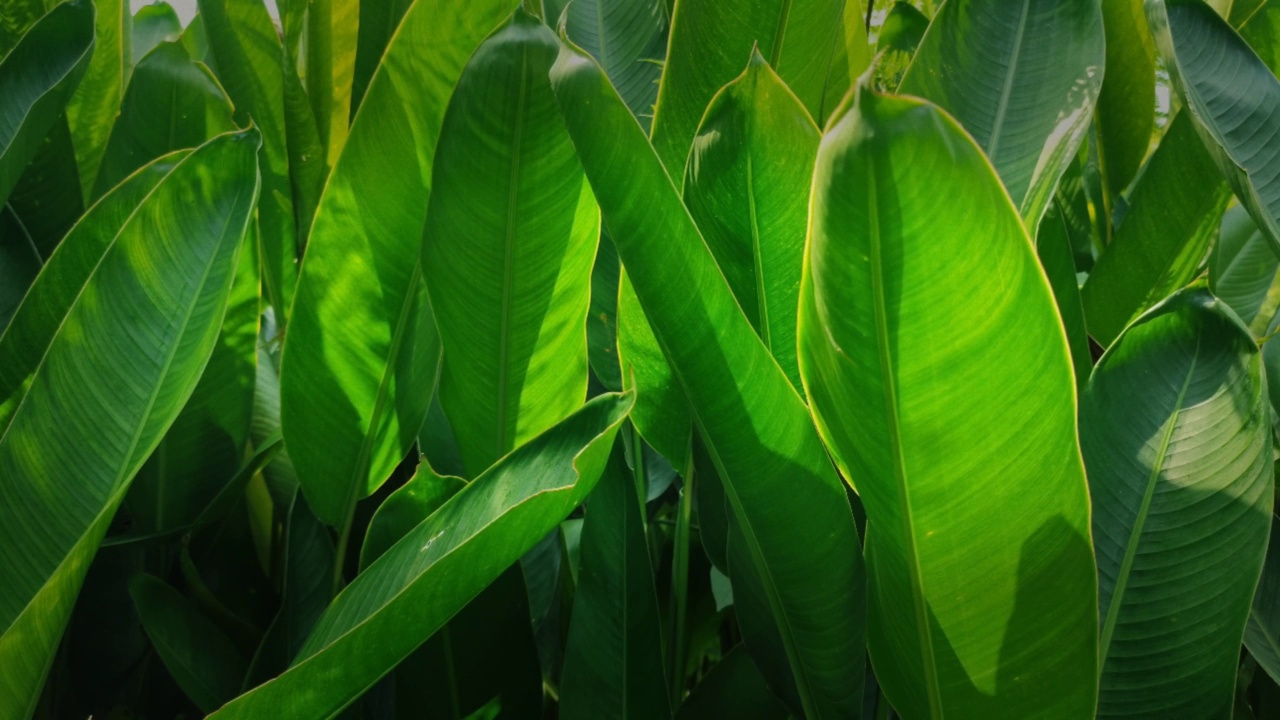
[1002,108]
[508,259]
[1139,523]
[923,630]
[758,257]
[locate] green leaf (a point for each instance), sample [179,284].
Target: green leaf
[331,35]
[1262,631]
[629,40]
[171,103]
[744,185]
[1125,116]
[982,590]
[153,24]
[47,198]
[613,659]
[902,30]
[733,688]
[444,562]
[602,316]
[1174,212]
[358,363]
[96,102]
[1053,248]
[1242,265]
[403,509]
[1176,434]
[849,59]
[777,477]
[17,18]
[244,42]
[199,656]
[125,353]
[378,22]
[37,78]
[1233,98]
[1022,78]
[510,236]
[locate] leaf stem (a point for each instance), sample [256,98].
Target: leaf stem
[680,587]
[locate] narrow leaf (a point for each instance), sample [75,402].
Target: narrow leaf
[1125,117]
[96,102]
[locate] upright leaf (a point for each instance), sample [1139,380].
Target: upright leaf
[510,236]
[440,565]
[849,59]
[1233,98]
[1022,78]
[125,355]
[1125,116]
[378,22]
[171,104]
[629,40]
[37,77]
[981,585]
[332,31]
[1242,265]
[1176,434]
[613,660]
[745,188]
[1174,212]
[792,507]
[358,364]
[244,42]
[153,24]
[96,102]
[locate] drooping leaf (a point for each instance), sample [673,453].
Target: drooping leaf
[153,24]
[125,354]
[613,660]
[93,108]
[510,236]
[37,77]
[1176,434]
[777,477]
[1232,97]
[1242,265]
[1174,212]
[1262,630]
[1022,78]
[358,364]
[200,657]
[171,104]
[1125,117]
[440,565]
[332,29]
[244,42]
[981,589]
[745,188]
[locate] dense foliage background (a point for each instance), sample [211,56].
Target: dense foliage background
[639,358]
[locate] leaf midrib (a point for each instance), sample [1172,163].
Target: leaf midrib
[924,632]
[1002,108]
[762,305]
[1135,535]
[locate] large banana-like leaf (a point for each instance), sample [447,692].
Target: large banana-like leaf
[125,354]
[1242,266]
[17,18]
[1233,98]
[745,186]
[332,31]
[795,517]
[1124,119]
[1174,212]
[171,103]
[359,357]
[93,108]
[440,565]
[247,49]
[510,235]
[37,77]
[950,405]
[153,24]
[1022,78]
[1262,631]
[849,59]
[378,22]
[613,661]
[1176,434]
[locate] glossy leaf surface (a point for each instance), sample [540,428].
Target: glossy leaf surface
[1242,265]
[1176,434]
[402,598]
[1124,118]
[92,109]
[981,585]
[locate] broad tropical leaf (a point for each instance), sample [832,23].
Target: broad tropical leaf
[150,311]
[613,660]
[37,77]
[1174,213]
[93,108]
[1233,98]
[1176,434]
[510,236]
[792,507]
[1053,247]
[440,565]
[629,40]
[1124,120]
[981,589]
[1242,265]
[332,32]
[734,689]
[378,22]
[154,23]
[171,103]
[359,360]
[1262,631]
[849,59]
[745,188]
[1022,78]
